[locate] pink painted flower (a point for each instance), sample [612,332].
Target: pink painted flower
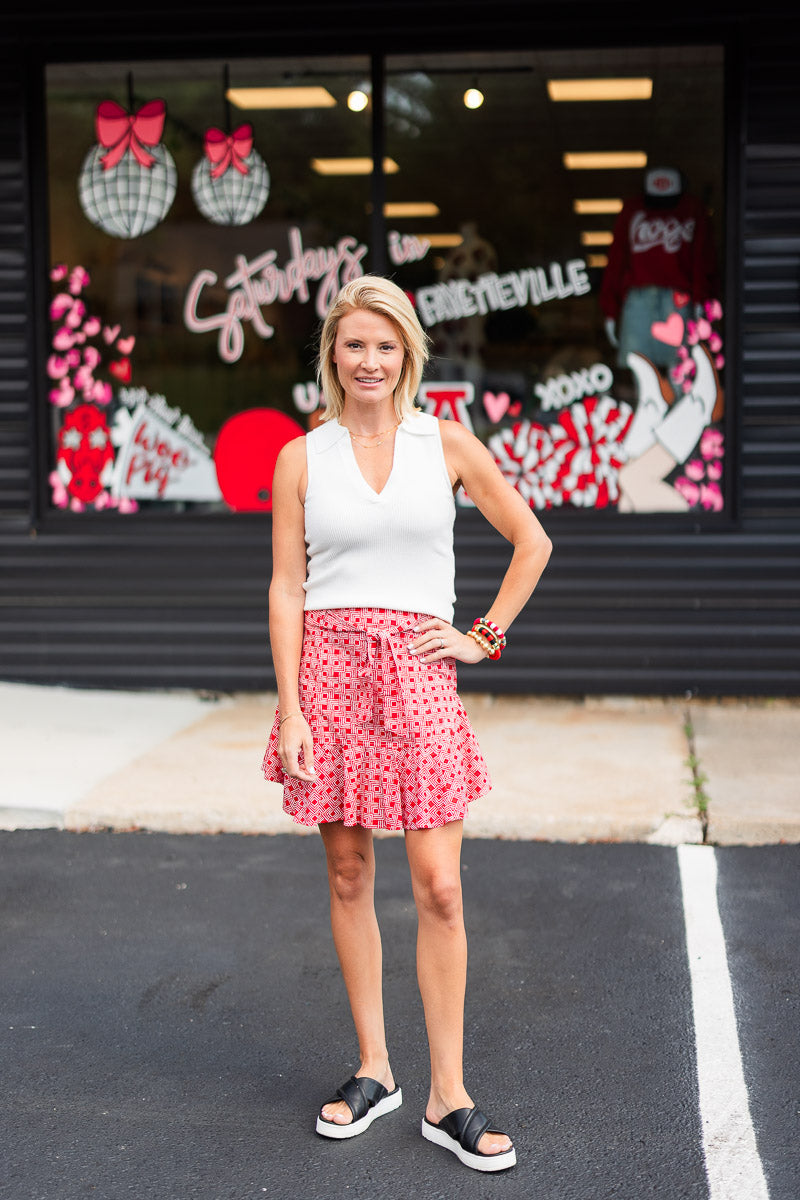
[91,356]
[78,280]
[60,497]
[692,333]
[127,505]
[719,362]
[690,491]
[695,469]
[101,392]
[64,339]
[73,357]
[711,497]
[711,443]
[92,327]
[713,310]
[714,469]
[59,272]
[57,367]
[60,304]
[75,316]
[76,505]
[715,343]
[703,330]
[63,395]
[687,385]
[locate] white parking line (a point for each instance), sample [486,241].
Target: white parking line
[733,1165]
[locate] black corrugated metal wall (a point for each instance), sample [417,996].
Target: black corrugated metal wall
[645,605]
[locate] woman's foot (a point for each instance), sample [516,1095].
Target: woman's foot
[439,1106]
[338,1111]
[461,1132]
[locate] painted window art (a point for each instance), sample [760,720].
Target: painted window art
[564,250]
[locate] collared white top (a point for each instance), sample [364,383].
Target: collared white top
[388,549]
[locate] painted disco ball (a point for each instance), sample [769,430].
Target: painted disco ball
[129,199]
[232,198]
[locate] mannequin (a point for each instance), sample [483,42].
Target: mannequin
[661,262]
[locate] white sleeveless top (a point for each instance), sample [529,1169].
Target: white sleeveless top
[392,549]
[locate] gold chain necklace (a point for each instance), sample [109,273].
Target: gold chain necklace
[356,437]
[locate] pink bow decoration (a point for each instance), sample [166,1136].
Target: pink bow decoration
[228,149]
[119,131]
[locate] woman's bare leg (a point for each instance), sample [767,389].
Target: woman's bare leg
[434,856]
[351,876]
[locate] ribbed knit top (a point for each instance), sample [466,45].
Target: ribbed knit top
[389,549]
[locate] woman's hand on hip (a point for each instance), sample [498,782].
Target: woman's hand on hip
[295,740]
[436,640]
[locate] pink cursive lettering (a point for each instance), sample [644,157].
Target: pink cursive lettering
[260,283]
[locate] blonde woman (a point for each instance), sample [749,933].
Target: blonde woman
[370,732]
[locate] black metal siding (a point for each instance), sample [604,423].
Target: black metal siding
[642,605]
[15,395]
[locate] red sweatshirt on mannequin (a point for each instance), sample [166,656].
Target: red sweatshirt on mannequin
[660,246]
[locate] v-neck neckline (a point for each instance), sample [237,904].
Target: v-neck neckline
[351,455]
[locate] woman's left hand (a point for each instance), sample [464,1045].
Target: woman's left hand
[436,640]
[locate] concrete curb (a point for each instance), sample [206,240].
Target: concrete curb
[563,769]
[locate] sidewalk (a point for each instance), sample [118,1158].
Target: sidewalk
[576,770]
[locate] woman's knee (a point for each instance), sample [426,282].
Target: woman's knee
[351,876]
[438,895]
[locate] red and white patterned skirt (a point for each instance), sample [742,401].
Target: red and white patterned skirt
[393,747]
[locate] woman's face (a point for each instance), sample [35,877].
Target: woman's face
[369,355]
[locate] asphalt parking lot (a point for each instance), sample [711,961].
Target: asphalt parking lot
[173,1015]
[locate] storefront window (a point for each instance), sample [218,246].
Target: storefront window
[557,217]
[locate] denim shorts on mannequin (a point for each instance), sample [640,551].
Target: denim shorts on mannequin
[641,308]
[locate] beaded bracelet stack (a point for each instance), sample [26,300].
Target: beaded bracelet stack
[489,637]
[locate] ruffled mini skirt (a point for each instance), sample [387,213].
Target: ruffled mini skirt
[393,746]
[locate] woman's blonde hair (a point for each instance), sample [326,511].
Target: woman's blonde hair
[373,293]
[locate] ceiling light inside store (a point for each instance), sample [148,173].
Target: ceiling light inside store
[358,100]
[600,160]
[586,208]
[597,260]
[600,89]
[351,166]
[596,237]
[473,97]
[280,97]
[441,240]
[411,208]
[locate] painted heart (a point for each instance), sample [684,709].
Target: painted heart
[670,331]
[680,299]
[110,333]
[496,405]
[121,369]
[125,345]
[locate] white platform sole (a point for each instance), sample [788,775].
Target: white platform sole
[331,1129]
[478,1162]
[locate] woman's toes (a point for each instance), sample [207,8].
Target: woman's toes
[339,1113]
[494,1143]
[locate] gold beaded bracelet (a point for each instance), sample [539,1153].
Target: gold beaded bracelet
[482,642]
